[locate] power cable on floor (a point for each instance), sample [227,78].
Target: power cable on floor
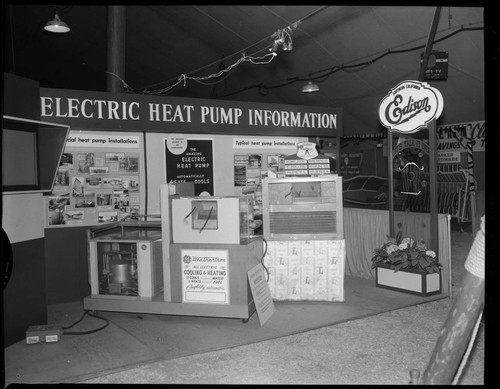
[85,332]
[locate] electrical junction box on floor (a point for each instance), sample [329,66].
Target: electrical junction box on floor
[43,333]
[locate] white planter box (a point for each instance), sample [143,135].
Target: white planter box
[413,282]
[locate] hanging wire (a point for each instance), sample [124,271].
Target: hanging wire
[264,60]
[281,36]
[322,75]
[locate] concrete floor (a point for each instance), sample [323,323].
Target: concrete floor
[375,337]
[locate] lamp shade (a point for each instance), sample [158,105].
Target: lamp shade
[56,25]
[310,87]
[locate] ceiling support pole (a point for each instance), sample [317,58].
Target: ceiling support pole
[116,49]
[434,243]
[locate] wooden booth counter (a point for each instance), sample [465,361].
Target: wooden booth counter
[129,272]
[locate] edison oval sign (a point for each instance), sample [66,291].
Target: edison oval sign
[409,106]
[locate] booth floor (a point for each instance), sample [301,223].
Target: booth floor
[133,339]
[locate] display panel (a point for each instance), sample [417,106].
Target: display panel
[19,169]
[99,180]
[30,154]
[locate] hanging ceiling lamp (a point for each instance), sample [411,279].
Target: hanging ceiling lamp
[310,87]
[56,25]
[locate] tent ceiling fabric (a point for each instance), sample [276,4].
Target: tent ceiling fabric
[164,42]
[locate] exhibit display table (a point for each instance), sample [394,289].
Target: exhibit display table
[204,279]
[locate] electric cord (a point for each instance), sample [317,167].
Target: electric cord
[208,218]
[85,332]
[261,260]
[194,209]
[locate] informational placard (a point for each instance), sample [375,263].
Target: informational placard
[190,160]
[307,161]
[262,298]
[205,276]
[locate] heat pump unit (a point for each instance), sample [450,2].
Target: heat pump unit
[302,208]
[126,263]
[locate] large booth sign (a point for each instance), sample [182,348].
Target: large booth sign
[102,110]
[410,106]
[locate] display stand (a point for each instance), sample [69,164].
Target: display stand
[240,304]
[197,279]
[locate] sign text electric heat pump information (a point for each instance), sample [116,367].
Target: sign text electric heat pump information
[205,276]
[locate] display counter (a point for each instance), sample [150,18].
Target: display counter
[126,274]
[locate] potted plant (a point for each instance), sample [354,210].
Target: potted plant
[407,265]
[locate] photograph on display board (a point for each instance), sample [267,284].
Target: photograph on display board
[104,201]
[62,179]
[241,160]
[85,161]
[74,217]
[66,160]
[108,216]
[77,186]
[97,170]
[129,164]
[61,183]
[276,163]
[93,182]
[240,176]
[57,206]
[247,170]
[255,160]
[120,199]
[114,157]
[112,182]
[85,201]
[131,183]
[253,181]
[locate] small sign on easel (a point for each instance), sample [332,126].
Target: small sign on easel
[264,303]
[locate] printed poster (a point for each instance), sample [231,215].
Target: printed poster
[190,160]
[205,276]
